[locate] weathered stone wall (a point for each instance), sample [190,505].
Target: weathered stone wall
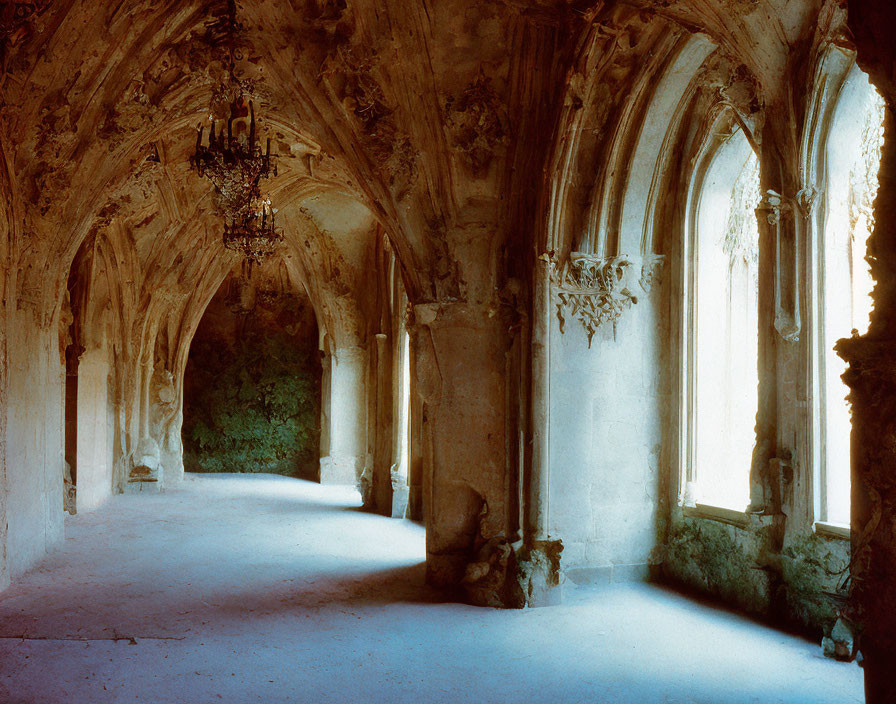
[34,442]
[605,437]
[801,582]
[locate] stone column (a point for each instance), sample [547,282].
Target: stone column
[348,418]
[93,447]
[459,352]
[540,555]
[871,378]
[35,443]
[417,506]
[325,367]
[537,488]
[381,429]
[4,406]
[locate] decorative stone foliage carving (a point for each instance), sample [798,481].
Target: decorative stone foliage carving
[16,17]
[354,75]
[477,120]
[597,290]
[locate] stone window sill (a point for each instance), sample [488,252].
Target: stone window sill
[832,530]
[739,519]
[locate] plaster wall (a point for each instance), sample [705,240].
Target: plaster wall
[34,443]
[95,460]
[605,435]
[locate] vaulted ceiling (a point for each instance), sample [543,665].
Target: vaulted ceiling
[432,123]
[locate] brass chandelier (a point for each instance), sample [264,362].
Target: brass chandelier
[255,235]
[235,164]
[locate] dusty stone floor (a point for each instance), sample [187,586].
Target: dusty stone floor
[261,588]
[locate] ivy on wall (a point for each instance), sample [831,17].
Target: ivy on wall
[252,406]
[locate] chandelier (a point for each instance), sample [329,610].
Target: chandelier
[255,235]
[234,161]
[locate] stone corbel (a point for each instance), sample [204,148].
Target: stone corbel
[777,212]
[597,290]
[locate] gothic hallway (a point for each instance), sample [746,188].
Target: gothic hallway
[245,588]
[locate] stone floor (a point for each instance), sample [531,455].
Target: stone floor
[266,589]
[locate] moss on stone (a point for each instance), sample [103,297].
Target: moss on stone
[254,407]
[814,581]
[803,583]
[720,560]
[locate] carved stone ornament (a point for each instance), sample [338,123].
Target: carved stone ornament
[597,290]
[477,120]
[788,220]
[16,16]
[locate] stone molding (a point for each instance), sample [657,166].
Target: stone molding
[597,290]
[775,209]
[342,469]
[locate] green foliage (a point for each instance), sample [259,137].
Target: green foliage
[252,407]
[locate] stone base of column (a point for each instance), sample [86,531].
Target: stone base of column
[172,468]
[341,470]
[539,569]
[501,574]
[400,500]
[415,503]
[139,486]
[446,570]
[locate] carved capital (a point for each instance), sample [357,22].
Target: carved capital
[771,206]
[597,290]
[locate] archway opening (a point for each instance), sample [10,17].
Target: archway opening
[88,395]
[252,385]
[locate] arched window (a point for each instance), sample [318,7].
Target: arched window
[851,156]
[721,329]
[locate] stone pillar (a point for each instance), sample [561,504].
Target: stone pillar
[93,447]
[348,418]
[381,427]
[4,405]
[871,378]
[417,506]
[459,353]
[537,488]
[35,444]
[325,369]
[539,556]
